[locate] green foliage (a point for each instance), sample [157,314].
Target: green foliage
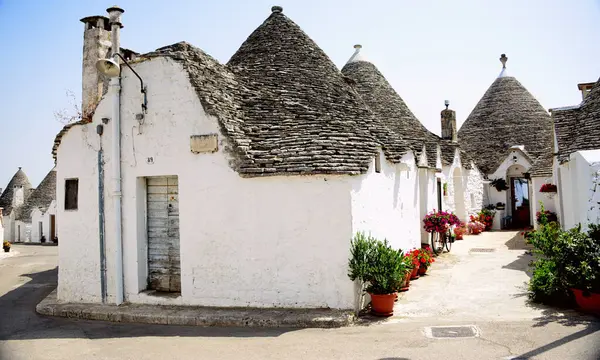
[545,284]
[376,263]
[499,184]
[386,269]
[361,252]
[566,259]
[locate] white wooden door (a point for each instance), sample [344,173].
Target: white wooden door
[164,267]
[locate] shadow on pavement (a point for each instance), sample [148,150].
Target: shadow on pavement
[564,317]
[521,264]
[19,321]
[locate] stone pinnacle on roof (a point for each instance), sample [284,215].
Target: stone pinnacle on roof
[357,56]
[503,60]
[277,9]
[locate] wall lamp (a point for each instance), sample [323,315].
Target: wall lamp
[111,68]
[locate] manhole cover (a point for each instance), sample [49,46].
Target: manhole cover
[451,332]
[482,250]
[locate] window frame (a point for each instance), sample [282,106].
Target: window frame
[67,204]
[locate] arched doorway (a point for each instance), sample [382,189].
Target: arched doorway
[459,195]
[518,196]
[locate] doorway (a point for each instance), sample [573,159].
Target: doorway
[40,230]
[52,227]
[521,213]
[439,195]
[164,267]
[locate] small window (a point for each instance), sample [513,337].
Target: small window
[71,190]
[378,163]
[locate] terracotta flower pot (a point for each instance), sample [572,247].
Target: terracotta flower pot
[415,273]
[459,236]
[422,269]
[382,305]
[406,282]
[587,301]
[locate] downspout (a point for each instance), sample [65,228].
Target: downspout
[115,85]
[100,130]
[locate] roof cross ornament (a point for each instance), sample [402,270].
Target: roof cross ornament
[503,60]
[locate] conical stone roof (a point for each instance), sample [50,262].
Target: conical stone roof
[388,106]
[578,127]
[18,180]
[507,115]
[302,115]
[40,198]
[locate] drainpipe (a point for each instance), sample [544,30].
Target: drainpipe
[100,131]
[115,86]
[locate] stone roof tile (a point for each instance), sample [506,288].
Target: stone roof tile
[578,128]
[507,115]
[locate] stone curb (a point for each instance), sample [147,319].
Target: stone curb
[198,316]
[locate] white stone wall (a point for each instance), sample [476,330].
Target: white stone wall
[580,189]
[547,199]
[7,234]
[275,241]
[472,189]
[386,204]
[38,216]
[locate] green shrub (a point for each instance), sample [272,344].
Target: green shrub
[545,284]
[376,264]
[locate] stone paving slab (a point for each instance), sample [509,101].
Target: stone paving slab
[198,316]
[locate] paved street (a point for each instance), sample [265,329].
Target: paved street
[463,288]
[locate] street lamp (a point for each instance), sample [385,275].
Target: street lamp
[111,69]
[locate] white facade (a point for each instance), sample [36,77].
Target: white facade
[579,189]
[464,189]
[262,242]
[41,223]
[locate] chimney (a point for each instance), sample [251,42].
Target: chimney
[448,123]
[585,89]
[96,44]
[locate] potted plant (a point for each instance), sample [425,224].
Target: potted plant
[475,226]
[43,239]
[500,206]
[386,271]
[579,261]
[548,188]
[486,217]
[6,246]
[414,256]
[549,216]
[408,266]
[425,257]
[499,184]
[460,230]
[379,266]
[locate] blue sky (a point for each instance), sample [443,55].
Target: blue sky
[429,51]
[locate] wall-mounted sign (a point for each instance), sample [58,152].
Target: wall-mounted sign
[204,143]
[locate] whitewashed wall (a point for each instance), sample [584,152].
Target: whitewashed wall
[1,227]
[472,189]
[38,216]
[580,189]
[7,236]
[547,199]
[276,241]
[386,204]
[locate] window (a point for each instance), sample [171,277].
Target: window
[378,163]
[71,190]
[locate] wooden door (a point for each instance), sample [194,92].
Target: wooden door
[164,267]
[519,188]
[41,230]
[52,227]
